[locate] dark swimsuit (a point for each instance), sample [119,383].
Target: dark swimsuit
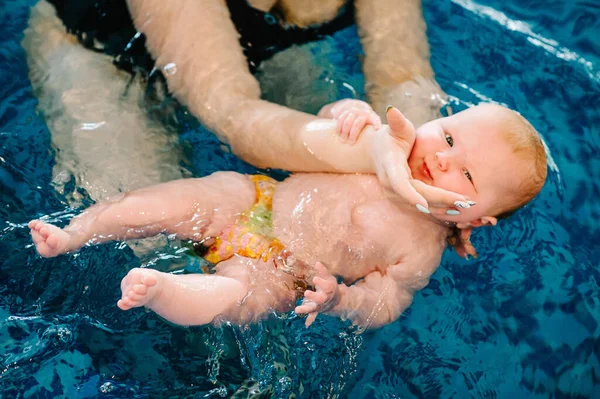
[106,26]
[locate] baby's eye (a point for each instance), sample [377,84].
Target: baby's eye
[468,175]
[449,140]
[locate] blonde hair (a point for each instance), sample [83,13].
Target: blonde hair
[528,146]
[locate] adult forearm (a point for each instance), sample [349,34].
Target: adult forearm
[196,45]
[397,67]
[276,136]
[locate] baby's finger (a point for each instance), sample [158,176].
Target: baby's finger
[340,123]
[438,197]
[318,298]
[325,286]
[357,127]
[374,120]
[306,307]
[321,270]
[348,122]
[310,319]
[465,234]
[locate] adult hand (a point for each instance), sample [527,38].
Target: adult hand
[324,297]
[390,151]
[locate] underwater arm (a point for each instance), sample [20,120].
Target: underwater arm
[376,300]
[373,302]
[381,297]
[396,67]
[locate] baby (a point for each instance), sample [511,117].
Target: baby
[275,242]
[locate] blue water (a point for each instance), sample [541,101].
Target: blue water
[521,321]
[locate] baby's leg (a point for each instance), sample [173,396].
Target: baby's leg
[191,299]
[189,208]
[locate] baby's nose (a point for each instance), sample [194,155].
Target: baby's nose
[442,160]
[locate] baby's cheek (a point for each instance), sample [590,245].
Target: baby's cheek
[451,182]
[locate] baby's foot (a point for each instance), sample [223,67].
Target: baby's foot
[49,240]
[139,288]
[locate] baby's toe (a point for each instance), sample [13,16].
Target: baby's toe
[132,296]
[140,289]
[150,280]
[124,304]
[36,237]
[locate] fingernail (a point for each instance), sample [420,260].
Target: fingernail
[471,202]
[387,109]
[421,208]
[452,212]
[461,204]
[468,257]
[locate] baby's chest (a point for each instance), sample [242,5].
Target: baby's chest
[383,227]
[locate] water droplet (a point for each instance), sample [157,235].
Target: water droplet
[170,68]
[107,387]
[64,334]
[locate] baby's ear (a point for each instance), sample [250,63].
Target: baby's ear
[489,220]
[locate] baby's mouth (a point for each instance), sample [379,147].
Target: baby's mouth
[425,171]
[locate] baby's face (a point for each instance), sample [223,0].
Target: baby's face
[466,153]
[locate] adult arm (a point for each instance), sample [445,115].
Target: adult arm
[396,66]
[196,45]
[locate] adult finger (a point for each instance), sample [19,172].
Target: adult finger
[438,197]
[400,127]
[400,183]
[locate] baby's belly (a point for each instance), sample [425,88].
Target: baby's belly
[313,216]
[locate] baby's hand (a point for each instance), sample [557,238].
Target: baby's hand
[351,116]
[325,296]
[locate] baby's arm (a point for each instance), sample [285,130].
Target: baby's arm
[376,300]
[189,208]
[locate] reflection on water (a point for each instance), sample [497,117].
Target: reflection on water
[102,136]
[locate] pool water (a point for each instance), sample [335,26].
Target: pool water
[521,321]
